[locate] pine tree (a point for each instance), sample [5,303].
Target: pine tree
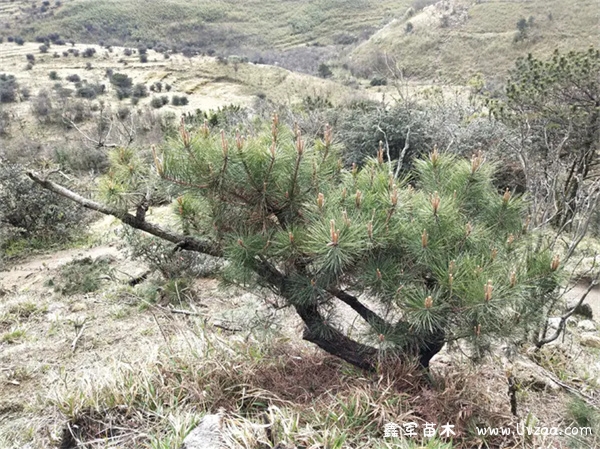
[439,256]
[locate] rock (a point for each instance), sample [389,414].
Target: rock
[591,340]
[441,362]
[584,310]
[78,307]
[206,435]
[554,322]
[587,325]
[533,376]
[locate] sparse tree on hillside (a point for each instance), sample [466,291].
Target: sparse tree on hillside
[555,104]
[437,259]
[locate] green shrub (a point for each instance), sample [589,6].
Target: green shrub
[156,103]
[139,91]
[29,212]
[324,71]
[378,81]
[82,276]
[8,88]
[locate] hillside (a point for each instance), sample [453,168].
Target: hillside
[452,40]
[449,40]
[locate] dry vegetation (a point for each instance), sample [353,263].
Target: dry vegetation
[142,373]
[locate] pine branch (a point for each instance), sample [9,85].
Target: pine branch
[182,241]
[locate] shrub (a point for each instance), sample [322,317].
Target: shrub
[86,91]
[19,40]
[44,49]
[139,91]
[33,213]
[74,78]
[82,275]
[127,52]
[30,57]
[324,71]
[123,85]
[89,52]
[8,88]
[157,103]
[177,100]
[144,58]
[378,81]
[409,27]
[156,87]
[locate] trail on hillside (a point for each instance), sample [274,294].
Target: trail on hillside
[30,272]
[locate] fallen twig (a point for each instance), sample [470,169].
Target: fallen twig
[78,336]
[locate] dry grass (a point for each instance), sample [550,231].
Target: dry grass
[479,37]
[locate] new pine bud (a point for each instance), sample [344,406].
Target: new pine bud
[555,262]
[428,302]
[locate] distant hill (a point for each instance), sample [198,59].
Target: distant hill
[446,41]
[451,40]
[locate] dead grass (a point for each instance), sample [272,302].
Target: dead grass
[456,39]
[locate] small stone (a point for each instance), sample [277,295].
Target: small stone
[78,307]
[591,340]
[206,435]
[587,325]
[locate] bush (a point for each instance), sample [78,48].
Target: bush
[53,75]
[177,100]
[82,275]
[157,103]
[378,81]
[89,52]
[143,58]
[19,40]
[127,52]
[74,78]
[324,71]
[156,87]
[139,91]
[86,91]
[8,88]
[30,57]
[33,213]
[44,49]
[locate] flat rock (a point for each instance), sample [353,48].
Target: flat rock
[206,435]
[587,325]
[591,340]
[533,376]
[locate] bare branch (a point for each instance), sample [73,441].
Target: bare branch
[182,241]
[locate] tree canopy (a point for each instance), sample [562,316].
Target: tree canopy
[429,259]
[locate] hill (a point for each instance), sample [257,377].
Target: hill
[451,40]
[448,40]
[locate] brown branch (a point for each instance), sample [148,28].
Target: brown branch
[182,241]
[566,316]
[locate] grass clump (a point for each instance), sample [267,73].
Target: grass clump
[82,276]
